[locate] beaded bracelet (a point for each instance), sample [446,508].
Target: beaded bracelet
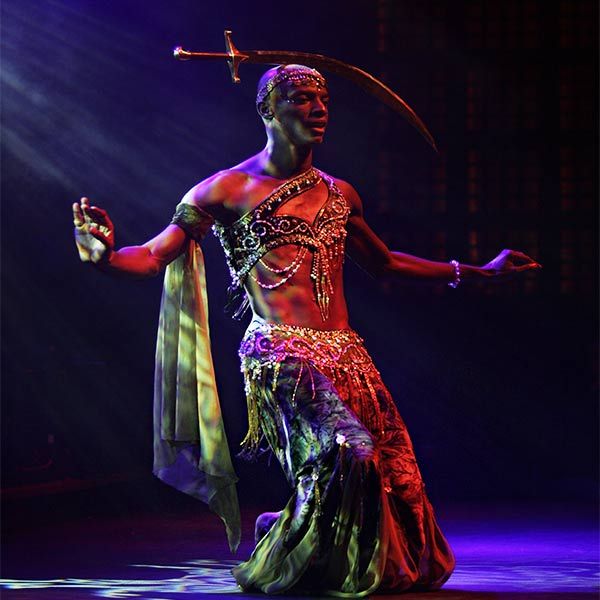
[456,265]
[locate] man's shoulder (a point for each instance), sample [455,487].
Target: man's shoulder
[217,189]
[346,188]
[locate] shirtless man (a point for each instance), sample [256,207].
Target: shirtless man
[295,290]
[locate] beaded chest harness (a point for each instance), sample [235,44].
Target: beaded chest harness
[260,230]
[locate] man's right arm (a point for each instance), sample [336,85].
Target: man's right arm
[148,259]
[94,234]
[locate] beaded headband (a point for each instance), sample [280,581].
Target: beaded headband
[297,76]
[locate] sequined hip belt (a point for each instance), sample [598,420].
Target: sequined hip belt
[338,354]
[329,350]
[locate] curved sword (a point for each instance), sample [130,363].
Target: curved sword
[276,57]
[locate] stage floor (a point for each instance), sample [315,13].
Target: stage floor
[504,552]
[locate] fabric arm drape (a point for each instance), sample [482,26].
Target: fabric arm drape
[190,446]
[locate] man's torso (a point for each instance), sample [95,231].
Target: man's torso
[282,283]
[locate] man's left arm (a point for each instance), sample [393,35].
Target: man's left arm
[369,252]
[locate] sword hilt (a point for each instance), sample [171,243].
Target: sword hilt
[233,56]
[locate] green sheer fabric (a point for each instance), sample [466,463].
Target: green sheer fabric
[190,446]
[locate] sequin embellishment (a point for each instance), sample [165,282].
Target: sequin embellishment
[260,230]
[339,354]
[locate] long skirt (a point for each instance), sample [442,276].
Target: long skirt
[359,519]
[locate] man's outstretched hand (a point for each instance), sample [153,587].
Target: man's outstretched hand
[511,262]
[94,232]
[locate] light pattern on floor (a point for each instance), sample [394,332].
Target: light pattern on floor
[204,577]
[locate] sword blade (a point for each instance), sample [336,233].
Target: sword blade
[365,80]
[361,78]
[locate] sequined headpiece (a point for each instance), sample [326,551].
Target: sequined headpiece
[297,75]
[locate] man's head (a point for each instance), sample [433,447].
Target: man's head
[292,99]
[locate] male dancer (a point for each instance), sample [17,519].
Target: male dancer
[359,519]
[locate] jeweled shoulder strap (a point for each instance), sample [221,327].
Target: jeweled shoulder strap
[293,187]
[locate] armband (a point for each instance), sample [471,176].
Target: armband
[193,220]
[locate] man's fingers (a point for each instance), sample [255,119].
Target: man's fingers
[100,216]
[78,219]
[97,214]
[85,209]
[527,267]
[100,236]
[520,259]
[523,257]
[98,211]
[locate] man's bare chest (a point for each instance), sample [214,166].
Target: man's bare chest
[305,206]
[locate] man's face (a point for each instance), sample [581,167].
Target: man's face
[301,111]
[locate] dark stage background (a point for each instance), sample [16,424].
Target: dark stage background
[498,384]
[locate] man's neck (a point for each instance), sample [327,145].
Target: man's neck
[283,161]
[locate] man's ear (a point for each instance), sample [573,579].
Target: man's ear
[264,110]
